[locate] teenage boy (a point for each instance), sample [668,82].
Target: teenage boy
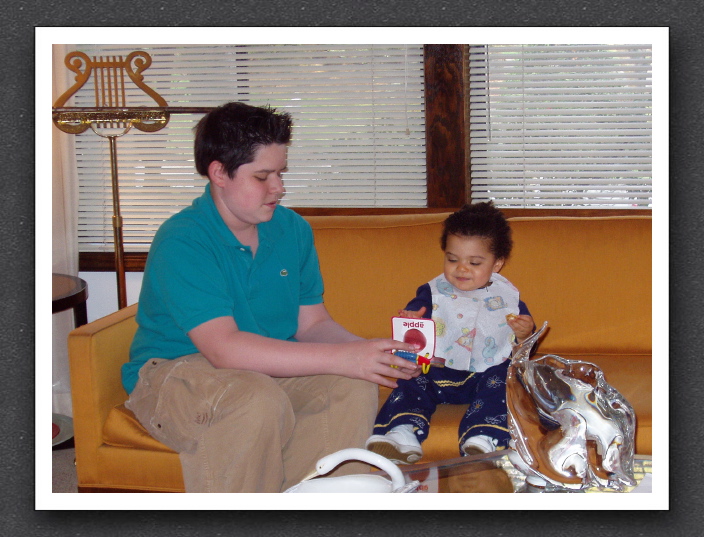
[236,363]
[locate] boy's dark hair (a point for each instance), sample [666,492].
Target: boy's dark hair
[233,132]
[480,220]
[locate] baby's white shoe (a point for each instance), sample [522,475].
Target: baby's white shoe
[399,445]
[479,444]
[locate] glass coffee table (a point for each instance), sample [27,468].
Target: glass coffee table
[493,472]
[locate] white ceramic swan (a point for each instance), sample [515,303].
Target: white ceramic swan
[355,483]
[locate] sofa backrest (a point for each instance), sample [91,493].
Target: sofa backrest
[589,277]
[372,265]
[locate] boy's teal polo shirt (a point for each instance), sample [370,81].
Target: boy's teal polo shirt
[197,271]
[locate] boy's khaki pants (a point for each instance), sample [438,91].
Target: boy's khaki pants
[241,431]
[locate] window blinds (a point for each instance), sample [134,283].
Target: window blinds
[561,126]
[358,141]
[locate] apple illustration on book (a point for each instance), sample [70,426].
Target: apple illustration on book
[415,337]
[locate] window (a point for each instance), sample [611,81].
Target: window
[359,130]
[560,126]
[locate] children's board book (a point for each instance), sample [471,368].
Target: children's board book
[420,332]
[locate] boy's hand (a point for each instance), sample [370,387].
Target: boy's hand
[372,360]
[413,314]
[522,326]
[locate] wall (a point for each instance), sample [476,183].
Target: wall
[102,291]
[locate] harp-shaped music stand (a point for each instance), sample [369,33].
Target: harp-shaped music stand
[111,118]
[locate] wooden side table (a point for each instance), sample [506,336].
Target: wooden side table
[67,292]
[70,292]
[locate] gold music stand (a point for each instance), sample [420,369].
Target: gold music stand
[111,118]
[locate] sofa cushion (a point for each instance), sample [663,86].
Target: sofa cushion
[122,429]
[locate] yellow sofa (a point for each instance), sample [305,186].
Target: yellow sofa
[589,277]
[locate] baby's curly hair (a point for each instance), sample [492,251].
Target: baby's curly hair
[480,220]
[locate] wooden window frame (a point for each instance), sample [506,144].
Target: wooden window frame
[446,160]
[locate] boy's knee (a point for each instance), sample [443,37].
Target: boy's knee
[256,398]
[364,394]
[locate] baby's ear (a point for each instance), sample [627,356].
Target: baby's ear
[498,264]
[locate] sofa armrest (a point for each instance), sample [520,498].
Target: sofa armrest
[97,351]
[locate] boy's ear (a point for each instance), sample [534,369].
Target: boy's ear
[217,172]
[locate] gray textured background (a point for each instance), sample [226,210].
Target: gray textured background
[684,18]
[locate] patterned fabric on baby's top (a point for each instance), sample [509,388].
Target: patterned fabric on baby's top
[471,329]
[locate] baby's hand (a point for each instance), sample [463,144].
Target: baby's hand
[522,325]
[412,314]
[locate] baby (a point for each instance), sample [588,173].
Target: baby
[478,316]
